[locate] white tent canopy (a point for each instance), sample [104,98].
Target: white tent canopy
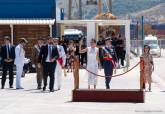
[27,21]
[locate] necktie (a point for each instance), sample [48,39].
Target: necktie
[8,51]
[39,47]
[50,52]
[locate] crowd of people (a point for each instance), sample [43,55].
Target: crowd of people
[50,56]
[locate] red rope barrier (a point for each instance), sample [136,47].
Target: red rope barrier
[113,75]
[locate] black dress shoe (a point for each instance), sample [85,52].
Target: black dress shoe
[11,86]
[19,88]
[108,87]
[39,87]
[44,88]
[58,89]
[52,90]
[2,87]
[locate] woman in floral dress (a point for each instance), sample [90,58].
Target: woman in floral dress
[148,66]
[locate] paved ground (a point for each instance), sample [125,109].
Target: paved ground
[31,101]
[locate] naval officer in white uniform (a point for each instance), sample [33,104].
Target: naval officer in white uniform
[19,61]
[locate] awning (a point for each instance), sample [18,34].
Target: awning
[27,21]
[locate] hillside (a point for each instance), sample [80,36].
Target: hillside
[123,7]
[154,14]
[120,8]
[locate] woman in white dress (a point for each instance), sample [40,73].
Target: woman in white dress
[92,62]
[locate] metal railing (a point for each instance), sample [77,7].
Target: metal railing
[137,46]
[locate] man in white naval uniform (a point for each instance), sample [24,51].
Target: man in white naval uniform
[60,63]
[19,61]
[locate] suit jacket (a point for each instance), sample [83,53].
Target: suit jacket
[19,55]
[11,52]
[35,54]
[44,53]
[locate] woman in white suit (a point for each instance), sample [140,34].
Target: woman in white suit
[92,61]
[19,61]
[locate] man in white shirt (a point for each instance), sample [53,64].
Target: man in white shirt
[47,58]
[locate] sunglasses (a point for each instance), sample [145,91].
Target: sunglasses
[146,48]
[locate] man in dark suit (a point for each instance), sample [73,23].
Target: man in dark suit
[8,56]
[47,57]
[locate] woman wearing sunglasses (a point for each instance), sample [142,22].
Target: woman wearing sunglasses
[148,66]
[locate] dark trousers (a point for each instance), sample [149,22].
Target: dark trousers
[108,71]
[83,58]
[48,70]
[7,67]
[121,56]
[120,59]
[39,76]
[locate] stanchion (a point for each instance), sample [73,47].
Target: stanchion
[76,73]
[142,80]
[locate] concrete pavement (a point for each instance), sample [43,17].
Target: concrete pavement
[32,101]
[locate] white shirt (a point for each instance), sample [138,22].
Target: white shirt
[49,54]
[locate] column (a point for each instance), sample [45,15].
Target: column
[50,30]
[12,33]
[127,36]
[91,31]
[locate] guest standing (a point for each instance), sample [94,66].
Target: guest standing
[120,50]
[70,55]
[8,56]
[92,62]
[47,57]
[148,66]
[113,39]
[83,56]
[61,61]
[35,55]
[19,61]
